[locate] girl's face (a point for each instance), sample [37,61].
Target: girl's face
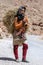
[21,11]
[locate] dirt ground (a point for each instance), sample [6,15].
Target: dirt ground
[34,53]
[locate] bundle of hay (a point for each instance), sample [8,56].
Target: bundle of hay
[8,20]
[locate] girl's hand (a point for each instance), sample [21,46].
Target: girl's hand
[18,33]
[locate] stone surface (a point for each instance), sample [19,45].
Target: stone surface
[34,13]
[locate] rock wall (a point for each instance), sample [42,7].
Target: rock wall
[34,12]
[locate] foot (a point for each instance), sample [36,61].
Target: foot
[17,60]
[25,61]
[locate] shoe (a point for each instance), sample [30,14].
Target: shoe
[25,61]
[17,60]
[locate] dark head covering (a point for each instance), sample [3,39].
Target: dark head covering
[22,7]
[19,15]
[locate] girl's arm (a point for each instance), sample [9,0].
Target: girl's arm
[18,33]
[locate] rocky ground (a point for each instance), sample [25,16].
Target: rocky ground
[34,12]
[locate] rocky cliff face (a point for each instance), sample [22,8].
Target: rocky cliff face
[34,12]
